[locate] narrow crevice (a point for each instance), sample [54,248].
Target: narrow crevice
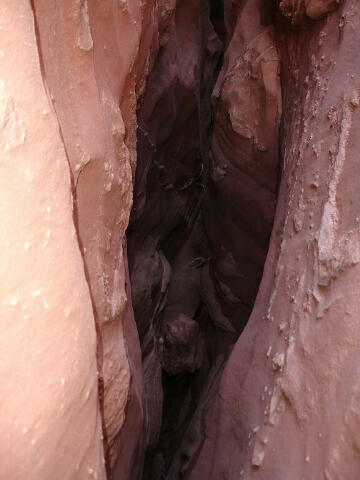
[193,281]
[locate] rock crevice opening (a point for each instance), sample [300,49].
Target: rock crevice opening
[204,202]
[244,358]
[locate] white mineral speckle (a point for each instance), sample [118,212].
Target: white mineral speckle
[258,458]
[14,301]
[278,361]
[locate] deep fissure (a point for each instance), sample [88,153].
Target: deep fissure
[243,360]
[194,273]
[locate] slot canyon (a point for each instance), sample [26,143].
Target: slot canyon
[180,239]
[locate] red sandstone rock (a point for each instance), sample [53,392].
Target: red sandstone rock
[241,195]
[50,422]
[93,86]
[286,406]
[90,61]
[239,203]
[282,400]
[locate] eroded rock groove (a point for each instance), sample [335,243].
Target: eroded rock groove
[234,127]
[197,249]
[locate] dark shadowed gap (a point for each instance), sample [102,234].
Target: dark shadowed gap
[187,317]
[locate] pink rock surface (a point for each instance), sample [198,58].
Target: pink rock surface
[93,86]
[50,421]
[240,200]
[83,58]
[242,361]
[286,405]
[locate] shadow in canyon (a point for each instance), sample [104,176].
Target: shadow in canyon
[204,202]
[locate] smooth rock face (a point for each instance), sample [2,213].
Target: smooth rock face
[97,181]
[50,421]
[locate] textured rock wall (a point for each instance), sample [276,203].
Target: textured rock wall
[72,74]
[103,53]
[286,406]
[239,203]
[241,191]
[205,196]
[87,80]
[50,421]
[237,112]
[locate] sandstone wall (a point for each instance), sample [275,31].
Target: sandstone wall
[50,420]
[286,406]
[72,73]
[236,124]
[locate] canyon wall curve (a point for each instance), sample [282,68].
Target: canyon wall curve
[179,240]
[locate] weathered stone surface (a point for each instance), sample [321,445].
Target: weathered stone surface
[239,204]
[286,399]
[93,86]
[234,124]
[93,60]
[50,421]
[241,192]
[297,10]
